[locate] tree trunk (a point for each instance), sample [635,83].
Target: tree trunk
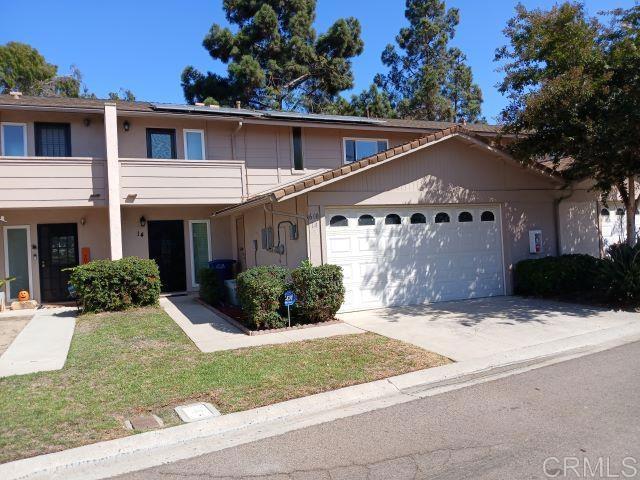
[630,207]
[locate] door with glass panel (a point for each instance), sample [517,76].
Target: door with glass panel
[58,251]
[17,244]
[200,248]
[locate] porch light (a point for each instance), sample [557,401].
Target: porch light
[126,125]
[143,221]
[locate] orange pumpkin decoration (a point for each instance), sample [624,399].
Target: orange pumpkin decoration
[23,296]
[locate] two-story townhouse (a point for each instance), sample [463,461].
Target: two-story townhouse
[413,211]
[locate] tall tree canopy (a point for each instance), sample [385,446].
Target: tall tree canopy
[426,78]
[24,69]
[574,90]
[275,59]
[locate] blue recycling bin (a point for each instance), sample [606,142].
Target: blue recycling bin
[223,268]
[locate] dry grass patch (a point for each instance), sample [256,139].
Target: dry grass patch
[138,361]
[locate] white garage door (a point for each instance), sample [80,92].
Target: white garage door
[412,255]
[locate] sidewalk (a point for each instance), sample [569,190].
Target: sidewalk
[42,345]
[137,452]
[211,333]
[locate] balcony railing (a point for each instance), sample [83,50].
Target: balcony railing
[158,181]
[52,181]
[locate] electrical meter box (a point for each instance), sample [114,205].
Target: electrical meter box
[535,241]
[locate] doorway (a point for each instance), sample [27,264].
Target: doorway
[166,247]
[58,251]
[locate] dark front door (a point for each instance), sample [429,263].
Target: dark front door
[166,247]
[57,250]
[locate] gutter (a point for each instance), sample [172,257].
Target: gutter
[556,214]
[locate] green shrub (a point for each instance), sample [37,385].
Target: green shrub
[211,288]
[320,291]
[557,276]
[620,275]
[260,291]
[111,285]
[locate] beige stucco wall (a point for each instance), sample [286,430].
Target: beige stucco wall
[453,172]
[93,234]
[257,218]
[135,241]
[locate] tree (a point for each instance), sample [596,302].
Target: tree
[426,78]
[123,94]
[574,92]
[275,60]
[23,68]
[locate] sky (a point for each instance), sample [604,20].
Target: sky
[144,45]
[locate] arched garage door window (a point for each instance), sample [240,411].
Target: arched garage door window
[338,221]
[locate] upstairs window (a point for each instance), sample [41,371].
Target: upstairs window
[194,145]
[358,148]
[161,143]
[298,163]
[13,138]
[53,139]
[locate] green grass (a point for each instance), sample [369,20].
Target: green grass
[121,364]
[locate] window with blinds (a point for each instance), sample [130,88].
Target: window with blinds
[53,139]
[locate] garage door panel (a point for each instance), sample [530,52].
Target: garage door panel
[404,264]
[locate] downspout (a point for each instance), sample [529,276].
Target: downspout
[556,213]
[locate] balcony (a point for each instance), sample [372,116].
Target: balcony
[187,182]
[52,182]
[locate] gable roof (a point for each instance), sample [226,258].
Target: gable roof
[315,181]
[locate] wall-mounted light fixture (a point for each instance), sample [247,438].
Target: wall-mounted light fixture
[86,122]
[83,221]
[143,221]
[126,125]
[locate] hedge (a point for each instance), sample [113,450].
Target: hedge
[320,291]
[111,285]
[620,275]
[557,276]
[260,292]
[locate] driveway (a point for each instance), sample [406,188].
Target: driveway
[463,330]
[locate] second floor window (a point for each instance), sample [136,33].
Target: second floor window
[53,139]
[359,148]
[161,143]
[298,164]
[194,145]
[13,137]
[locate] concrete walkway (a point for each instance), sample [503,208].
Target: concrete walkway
[212,333]
[42,345]
[468,329]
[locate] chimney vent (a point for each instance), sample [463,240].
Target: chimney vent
[199,104]
[238,104]
[15,94]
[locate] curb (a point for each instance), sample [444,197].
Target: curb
[145,450]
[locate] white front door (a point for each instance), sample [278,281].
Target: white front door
[413,255]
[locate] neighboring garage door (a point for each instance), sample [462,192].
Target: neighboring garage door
[413,255]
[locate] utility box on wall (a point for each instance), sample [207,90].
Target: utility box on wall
[535,241]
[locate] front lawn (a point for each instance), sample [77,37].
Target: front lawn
[121,364]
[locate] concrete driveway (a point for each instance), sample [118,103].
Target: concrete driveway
[468,329]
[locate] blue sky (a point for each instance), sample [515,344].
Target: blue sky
[144,44]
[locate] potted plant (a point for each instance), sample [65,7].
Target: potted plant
[3,287]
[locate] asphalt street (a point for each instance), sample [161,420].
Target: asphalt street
[576,419]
